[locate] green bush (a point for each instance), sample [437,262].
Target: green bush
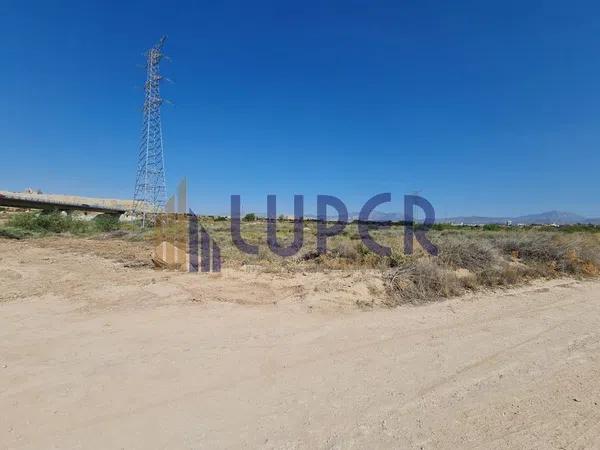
[47,222]
[250,217]
[492,227]
[106,222]
[13,233]
[443,226]
[580,228]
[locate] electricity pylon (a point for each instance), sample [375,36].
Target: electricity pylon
[150,188]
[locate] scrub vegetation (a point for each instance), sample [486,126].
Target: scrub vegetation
[470,258]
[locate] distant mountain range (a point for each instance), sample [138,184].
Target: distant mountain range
[545,218]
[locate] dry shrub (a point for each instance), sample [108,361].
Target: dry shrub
[348,250]
[345,255]
[561,253]
[475,254]
[422,280]
[470,262]
[507,275]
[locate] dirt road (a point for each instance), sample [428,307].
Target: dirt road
[97,355]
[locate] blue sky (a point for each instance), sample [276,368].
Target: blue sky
[486,107]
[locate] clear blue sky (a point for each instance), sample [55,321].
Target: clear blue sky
[487,107]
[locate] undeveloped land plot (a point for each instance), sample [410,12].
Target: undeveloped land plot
[95,354]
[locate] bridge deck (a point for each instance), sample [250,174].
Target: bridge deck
[26,201]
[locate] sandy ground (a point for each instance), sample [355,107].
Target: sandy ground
[94,354]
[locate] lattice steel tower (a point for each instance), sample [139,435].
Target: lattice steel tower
[150,187]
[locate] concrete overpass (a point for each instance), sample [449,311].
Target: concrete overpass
[63,203]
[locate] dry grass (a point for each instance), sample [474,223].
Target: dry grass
[468,260]
[472,260]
